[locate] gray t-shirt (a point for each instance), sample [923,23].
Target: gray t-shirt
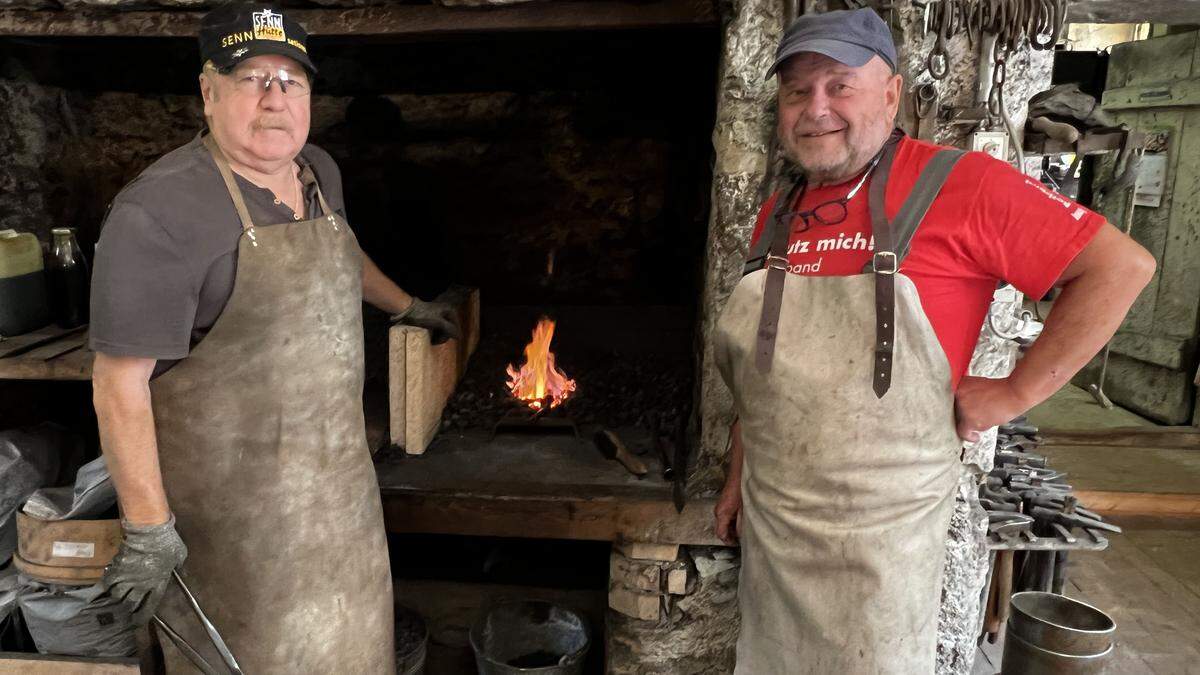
[167,255]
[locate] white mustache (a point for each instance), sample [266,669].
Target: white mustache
[272,123]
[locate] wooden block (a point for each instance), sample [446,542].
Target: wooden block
[677,581]
[642,551]
[634,575]
[46,664]
[422,376]
[639,605]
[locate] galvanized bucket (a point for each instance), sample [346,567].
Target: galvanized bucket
[1056,635]
[530,637]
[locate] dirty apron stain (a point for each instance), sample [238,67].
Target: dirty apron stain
[266,467]
[847,485]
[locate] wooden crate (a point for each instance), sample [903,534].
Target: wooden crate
[422,376]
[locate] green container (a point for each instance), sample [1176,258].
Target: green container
[23,304]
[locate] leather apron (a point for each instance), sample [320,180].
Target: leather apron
[265,462]
[851,457]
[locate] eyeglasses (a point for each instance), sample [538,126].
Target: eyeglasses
[256,81]
[831,212]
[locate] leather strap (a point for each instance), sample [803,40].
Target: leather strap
[883,266]
[756,257]
[235,192]
[891,246]
[917,204]
[776,233]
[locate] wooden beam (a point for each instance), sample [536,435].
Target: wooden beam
[1186,438]
[412,21]
[1179,12]
[610,519]
[1173,505]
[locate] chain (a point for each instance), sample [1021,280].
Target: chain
[995,99]
[1014,23]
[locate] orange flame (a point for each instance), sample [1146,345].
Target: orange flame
[539,383]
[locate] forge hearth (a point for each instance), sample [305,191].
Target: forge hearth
[633,367]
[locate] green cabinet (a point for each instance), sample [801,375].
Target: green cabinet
[1154,87]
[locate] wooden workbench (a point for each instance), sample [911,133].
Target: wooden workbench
[520,485]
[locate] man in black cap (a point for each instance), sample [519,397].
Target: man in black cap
[846,347]
[226,318]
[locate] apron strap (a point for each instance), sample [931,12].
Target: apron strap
[235,192]
[776,233]
[325,210]
[891,246]
[756,257]
[884,266]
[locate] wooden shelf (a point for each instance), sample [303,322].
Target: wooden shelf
[1090,143]
[49,353]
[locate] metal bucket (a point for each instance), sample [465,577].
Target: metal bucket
[411,639]
[1053,634]
[530,637]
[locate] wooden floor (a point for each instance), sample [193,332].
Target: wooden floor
[1149,582]
[1149,578]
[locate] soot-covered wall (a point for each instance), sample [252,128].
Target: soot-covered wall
[553,168]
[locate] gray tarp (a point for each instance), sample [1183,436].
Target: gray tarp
[75,620]
[92,495]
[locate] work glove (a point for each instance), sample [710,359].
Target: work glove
[438,318]
[141,570]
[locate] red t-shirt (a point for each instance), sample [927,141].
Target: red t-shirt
[989,223]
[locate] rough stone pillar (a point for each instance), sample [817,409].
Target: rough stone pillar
[967,562]
[741,138]
[671,611]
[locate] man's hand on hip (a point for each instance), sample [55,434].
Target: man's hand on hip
[982,403]
[438,318]
[141,570]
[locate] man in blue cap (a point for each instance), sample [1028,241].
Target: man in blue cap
[846,347]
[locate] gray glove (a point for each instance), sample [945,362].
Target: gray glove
[438,318]
[140,571]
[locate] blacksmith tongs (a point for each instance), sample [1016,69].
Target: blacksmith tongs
[215,637]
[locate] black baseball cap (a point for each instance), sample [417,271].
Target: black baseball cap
[849,36]
[237,31]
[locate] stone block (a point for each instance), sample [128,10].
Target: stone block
[635,604]
[677,580]
[642,551]
[634,575]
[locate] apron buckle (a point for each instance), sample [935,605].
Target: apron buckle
[777,262]
[890,263]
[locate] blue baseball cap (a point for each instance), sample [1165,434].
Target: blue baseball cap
[849,36]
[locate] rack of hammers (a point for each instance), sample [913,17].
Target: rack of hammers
[1034,522]
[1031,508]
